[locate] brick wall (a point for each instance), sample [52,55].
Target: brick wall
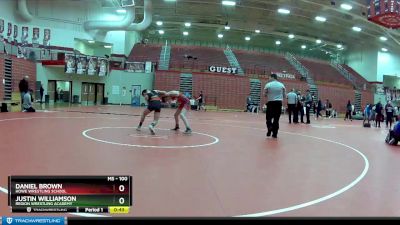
[230,92]
[226,91]
[366,97]
[167,80]
[337,96]
[21,68]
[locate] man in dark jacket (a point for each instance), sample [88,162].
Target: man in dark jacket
[23,88]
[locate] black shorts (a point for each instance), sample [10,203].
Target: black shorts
[154,106]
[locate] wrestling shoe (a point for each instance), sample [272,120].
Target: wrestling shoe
[151,128]
[188,131]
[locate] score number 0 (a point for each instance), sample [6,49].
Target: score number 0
[121,188]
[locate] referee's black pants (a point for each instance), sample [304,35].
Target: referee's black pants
[273,114]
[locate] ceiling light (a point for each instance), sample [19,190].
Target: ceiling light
[303,47]
[185,33]
[91,41]
[247,38]
[257,31]
[220,35]
[121,11]
[357,29]
[346,6]
[229,3]
[188,24]
[159,23]
[320,18]
[227,27]
[107,46]
[318,41]
[291,36]
[283,11]
[383,38]
[277,42]
[161,32]
[339,46]
[384,49]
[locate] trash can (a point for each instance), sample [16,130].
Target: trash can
[76,99]
[105,100]
[47,99]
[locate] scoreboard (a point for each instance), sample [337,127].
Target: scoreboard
[70,194]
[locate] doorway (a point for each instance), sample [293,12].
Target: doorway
[136,93]
[59,91]
[92,94]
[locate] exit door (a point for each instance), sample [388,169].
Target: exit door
[136,93]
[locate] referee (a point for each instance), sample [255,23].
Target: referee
[274,91]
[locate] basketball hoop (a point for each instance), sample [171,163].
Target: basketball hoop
[385,13]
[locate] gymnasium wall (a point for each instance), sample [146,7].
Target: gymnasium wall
[227,91]
[116,78]
[1,77]
[365,62]
[124,79]
[338,96]
[366,98]
[388,64]
[166,80]
[21,68]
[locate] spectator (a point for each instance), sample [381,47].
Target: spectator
[41,93]
[319,108]
[27,103]
[328,108]
[308,103]
[389,114]
[23,88]
[249,101]
[379,114]
[349,109]
[200,101]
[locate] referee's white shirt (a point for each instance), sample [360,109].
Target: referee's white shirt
[275,91]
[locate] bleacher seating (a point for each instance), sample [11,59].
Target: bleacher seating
[196,57]
[263,63]
[145,52]
[323,72]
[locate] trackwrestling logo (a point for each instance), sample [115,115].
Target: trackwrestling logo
[33,220]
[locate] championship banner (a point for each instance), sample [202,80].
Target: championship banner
[1,29]
[21,51]
[35,36]
[103,66]
[70,63]
[24,35]
[133,67]
[9,30]
[92,65]
[81,64]
[15,33]
[46,37]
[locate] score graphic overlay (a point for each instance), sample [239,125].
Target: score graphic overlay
[77,194]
